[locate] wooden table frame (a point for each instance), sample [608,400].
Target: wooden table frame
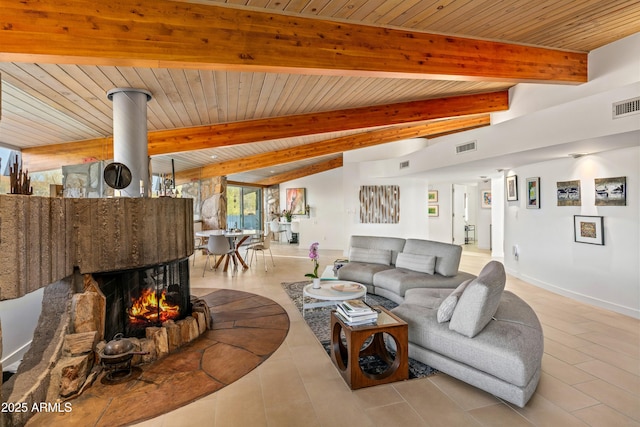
[346,356]
[233,255]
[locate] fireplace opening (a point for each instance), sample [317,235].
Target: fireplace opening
[140,298]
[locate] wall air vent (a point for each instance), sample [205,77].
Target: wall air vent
[467,146]
[404,165]
[626,108]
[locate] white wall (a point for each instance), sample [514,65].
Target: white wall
[325,223]
[612,66]
[19,318]
[607,276]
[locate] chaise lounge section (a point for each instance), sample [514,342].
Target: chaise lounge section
[479,333]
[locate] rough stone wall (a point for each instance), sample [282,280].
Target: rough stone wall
[42,239]
[214,205]
[272,197]
[35,243]
[32,381]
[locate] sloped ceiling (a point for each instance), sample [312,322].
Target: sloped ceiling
[290,85]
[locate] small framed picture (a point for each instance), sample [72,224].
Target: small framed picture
[611,191]
[432,196]
[533,193]
[486,199]
[568,193]
[433,210]
[512,188]
[588,229]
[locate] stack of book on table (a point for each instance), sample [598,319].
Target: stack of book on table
[356,312]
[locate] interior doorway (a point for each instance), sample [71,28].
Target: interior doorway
[459,213]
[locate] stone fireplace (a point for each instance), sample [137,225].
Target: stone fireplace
[89,254]
[145,297]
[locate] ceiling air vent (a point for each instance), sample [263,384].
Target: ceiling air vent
[404,165]
[468,146]
[626,108]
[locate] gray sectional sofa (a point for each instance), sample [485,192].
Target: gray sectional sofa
[478,333]
[390,266]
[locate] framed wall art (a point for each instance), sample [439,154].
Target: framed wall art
[588,229]
[568,193]
[296,201]
[611,191]
[432,196]
[379,204]
[433,210]
[533,193]
[485,199]
[512,188]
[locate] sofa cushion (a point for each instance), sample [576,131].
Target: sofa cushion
[479,301]
[445,311]
[400,280]
[417,262]
[394,244]
[447,255]
[361,272]
[370,255]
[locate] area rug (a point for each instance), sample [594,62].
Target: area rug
[248,328]
[319,320]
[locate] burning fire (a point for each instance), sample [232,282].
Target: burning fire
[147,308]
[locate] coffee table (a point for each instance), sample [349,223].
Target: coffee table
[346,354]
[331,292]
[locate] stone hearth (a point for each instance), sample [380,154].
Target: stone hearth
[248,329]
[56,243]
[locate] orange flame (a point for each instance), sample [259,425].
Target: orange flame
[145,308]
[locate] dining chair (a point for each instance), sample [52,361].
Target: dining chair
[217,245]
[200,244]
[262,247]
[276,229]
[258,238]
[295,231]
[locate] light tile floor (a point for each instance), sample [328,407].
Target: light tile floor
[591,369]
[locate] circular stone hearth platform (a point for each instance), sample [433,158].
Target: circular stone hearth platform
[248,328]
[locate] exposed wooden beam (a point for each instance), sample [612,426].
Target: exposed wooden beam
[161,33]
[302,172]
[196,138]
[48,157]
[332,146]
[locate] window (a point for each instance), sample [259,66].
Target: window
[244,207]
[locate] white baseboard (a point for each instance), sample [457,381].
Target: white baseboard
[607,305]
[15,357]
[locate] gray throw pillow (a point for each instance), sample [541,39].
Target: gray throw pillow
[374,256]
[479,301]
[445,311]
[416,262]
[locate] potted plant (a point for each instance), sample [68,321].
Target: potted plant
[314,256]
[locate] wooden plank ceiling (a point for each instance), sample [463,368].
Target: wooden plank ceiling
[248,67]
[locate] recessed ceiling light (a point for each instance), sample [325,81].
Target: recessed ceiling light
[214,156]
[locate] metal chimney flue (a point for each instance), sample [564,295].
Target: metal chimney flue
[130,137]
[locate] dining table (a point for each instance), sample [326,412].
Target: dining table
[236,239]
